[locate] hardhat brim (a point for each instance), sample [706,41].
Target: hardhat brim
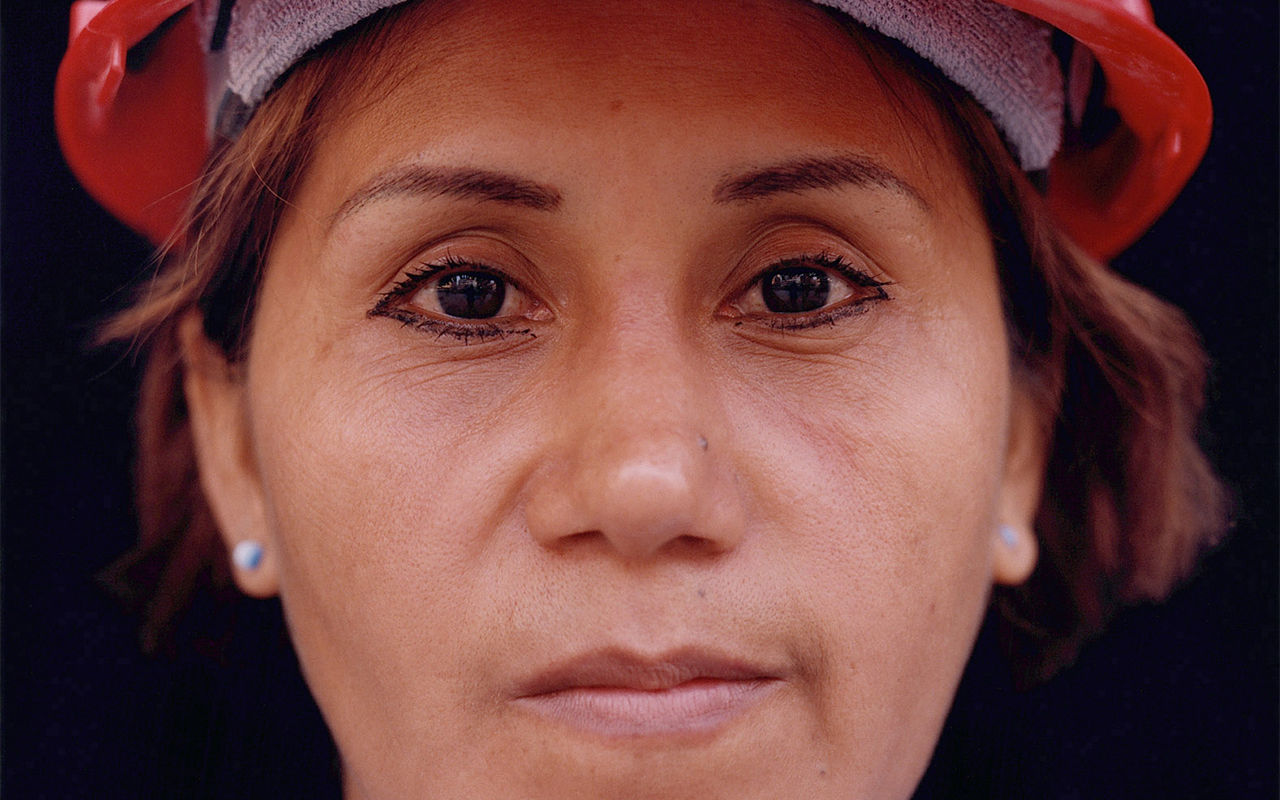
[132,116]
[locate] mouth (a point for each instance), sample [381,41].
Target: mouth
[619,694]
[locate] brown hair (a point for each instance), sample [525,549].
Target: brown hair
[1129,503]
[214,264]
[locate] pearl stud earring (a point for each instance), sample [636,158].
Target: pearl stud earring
[247,555]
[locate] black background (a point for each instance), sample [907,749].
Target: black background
[1176,701]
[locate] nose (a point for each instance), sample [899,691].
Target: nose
[641,461]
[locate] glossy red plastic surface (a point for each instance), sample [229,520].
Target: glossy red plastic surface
[137,138]
[1107,197]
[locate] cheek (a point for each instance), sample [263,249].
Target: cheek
[879,481]
[386,484]
[367,470]
[897,453]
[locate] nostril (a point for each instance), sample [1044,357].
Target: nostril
[687,545]
[693,545]
[581,540]
[578,539]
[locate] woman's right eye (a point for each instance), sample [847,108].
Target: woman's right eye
[458,298]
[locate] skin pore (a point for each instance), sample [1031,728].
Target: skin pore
[628,411]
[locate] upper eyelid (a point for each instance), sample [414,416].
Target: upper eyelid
[416,276]
[486,247]
[834,262]
[823,260]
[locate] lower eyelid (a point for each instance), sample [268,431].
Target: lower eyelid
[464,332]
[818,319]
[399,304]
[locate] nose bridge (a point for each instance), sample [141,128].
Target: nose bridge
[633,465]
[637,385]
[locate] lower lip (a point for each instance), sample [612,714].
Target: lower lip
[693,707]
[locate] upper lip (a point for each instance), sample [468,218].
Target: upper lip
[624,669]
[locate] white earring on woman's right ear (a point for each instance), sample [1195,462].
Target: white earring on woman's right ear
[1015,555]
[247,555]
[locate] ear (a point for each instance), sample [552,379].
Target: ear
[215,395]
[1014,539]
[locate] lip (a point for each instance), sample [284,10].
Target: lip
[620,694]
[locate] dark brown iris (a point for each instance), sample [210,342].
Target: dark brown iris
[471,295]
[795,290]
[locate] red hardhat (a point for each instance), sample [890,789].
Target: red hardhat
[136,134]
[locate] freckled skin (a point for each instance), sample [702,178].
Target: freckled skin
[441,516]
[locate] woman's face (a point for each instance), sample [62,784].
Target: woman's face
[628,411]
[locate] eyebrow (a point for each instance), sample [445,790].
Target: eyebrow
[805,174]
[475,184]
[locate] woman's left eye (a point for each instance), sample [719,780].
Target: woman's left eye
[808,289]
[795,290]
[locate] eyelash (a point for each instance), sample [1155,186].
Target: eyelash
[388,304]
[826,316]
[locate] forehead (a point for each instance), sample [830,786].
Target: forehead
[556,79]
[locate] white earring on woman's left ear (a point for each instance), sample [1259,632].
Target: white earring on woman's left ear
[1009,536]
[247,555]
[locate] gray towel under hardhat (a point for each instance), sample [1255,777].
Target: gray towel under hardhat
[1001,56]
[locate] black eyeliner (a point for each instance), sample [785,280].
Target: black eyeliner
[830,316]
[388,303]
